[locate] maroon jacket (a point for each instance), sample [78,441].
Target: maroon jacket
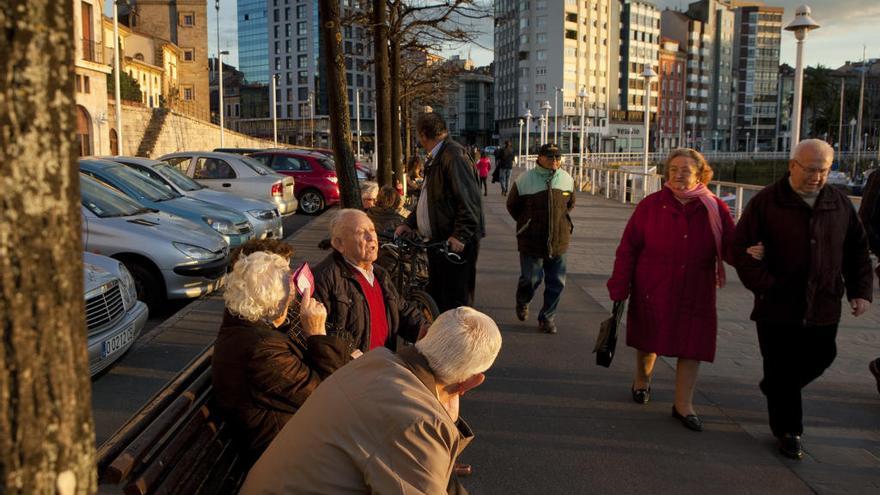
[811,255]
[666,266]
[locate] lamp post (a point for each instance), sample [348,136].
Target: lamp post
[116,89]
[801,25]
[546,108]
[556,114]
[584,96]
[311,101]
[648,74]
[519,148]
[852,135]
[715,139]
[756,116]
[748,135]
[220,81]
[542,126]
[274,111]
[357,116]
[528,129]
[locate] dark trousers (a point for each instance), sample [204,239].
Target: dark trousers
[450,284]
[485,186]
[794,356]
[532,270]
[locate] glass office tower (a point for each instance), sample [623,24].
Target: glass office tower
[253,40]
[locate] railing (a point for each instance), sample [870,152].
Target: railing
[636,157]
[631,186]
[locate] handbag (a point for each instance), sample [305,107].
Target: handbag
[606,341]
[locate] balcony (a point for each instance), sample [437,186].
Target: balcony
[92,51]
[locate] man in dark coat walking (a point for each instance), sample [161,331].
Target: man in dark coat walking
[450,209]
[815,249]
[503,166]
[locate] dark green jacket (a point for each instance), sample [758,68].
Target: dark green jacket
[540,201]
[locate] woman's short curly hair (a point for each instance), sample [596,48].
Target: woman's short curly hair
[704,171]
[258,286]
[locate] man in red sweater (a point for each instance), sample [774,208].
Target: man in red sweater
[363,307]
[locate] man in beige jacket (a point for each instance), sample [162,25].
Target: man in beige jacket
[385,423]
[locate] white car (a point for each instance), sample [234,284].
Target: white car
[114,316]
[261,214]
[237,174]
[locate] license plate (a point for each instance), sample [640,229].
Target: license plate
[117,342]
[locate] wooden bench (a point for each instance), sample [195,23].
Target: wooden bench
[175,444]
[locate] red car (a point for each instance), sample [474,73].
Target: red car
[316,184]
[364,172]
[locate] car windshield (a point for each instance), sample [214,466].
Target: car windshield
[327,163]
[106,202]
[255,165]
[177,177]
[142,186]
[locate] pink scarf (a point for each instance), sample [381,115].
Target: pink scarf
[705,196]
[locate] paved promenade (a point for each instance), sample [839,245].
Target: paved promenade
[549,421]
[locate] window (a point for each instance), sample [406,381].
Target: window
[542,37]
[541,55]
[302,61]
[287,164]
[212,168]
[188,93]
[189,54]
[302,28]
[187,19]
[302,45]
[540,88]
[540,71]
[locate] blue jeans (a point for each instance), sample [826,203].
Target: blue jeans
[532,270]
[504,178]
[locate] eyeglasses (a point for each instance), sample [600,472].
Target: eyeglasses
[553,157]
[821,172]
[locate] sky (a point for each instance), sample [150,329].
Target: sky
[846,26]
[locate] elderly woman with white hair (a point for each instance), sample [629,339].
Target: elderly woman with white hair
[272,350]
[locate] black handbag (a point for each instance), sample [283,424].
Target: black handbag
[606,341]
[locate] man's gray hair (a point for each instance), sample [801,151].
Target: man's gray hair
[460,343]
[816,145]
[340,220]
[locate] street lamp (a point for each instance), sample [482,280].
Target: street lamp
[648,74]
[715,139]
[852,135]
[357,114]
[546,108]
[801,24]
[274,111]
[528,129]
[748,135]
[542,128]
[221,106]
[556,114]
[519,148]
[311,102]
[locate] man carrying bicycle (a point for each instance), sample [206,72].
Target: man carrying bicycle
[363,307]
[540,201]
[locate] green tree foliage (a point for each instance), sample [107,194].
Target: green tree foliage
[129,88]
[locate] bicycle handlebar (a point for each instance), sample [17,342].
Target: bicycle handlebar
[441,247]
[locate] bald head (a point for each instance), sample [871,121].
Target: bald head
[352,234]
[810,165]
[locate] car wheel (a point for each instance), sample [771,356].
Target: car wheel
[311,202]
[147,284]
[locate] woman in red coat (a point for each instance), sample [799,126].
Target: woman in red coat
[669,264]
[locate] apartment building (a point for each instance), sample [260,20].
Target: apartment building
[671,103]
[91,69]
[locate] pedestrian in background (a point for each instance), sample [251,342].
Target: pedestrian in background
[669,264]
[369,193]
[504,164]
[449,210]
[540,201]
[414,179]
[483,166]
[815,251]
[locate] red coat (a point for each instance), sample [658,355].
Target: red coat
[666,266]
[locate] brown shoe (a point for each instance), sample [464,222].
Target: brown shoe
[462,470]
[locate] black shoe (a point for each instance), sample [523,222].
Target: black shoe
[641,395]
[522,312]
[790,446]
[547,326]
[874,367]
[691,421]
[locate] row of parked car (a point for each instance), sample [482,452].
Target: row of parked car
[163,229]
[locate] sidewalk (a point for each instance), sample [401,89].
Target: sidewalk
[548,420]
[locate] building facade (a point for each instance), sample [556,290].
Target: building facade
[93,128]
[784,99]
[469,108]
[253,40]
[640,48]
[548,51]
[756,47]
[851,73]
[671,104]
[184,23]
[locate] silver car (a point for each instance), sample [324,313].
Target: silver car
[261,214]
[168,256]
[237,174]
[114,316]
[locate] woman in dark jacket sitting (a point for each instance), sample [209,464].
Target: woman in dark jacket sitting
[271,352]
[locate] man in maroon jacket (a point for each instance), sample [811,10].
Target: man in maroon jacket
[815,248]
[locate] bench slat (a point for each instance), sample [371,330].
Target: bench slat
[181,471]
[201,472]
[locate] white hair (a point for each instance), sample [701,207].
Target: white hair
[460,343]
[816,145]
[369,187]
[258,286]
[341,219]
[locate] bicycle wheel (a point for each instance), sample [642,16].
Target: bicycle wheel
[425,304]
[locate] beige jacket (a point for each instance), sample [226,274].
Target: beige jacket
[374,426]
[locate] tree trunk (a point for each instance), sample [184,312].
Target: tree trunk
[396,160]
[383,107]
[337,95]
[46,431]
[407,136]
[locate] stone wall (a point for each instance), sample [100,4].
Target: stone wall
[176,132]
